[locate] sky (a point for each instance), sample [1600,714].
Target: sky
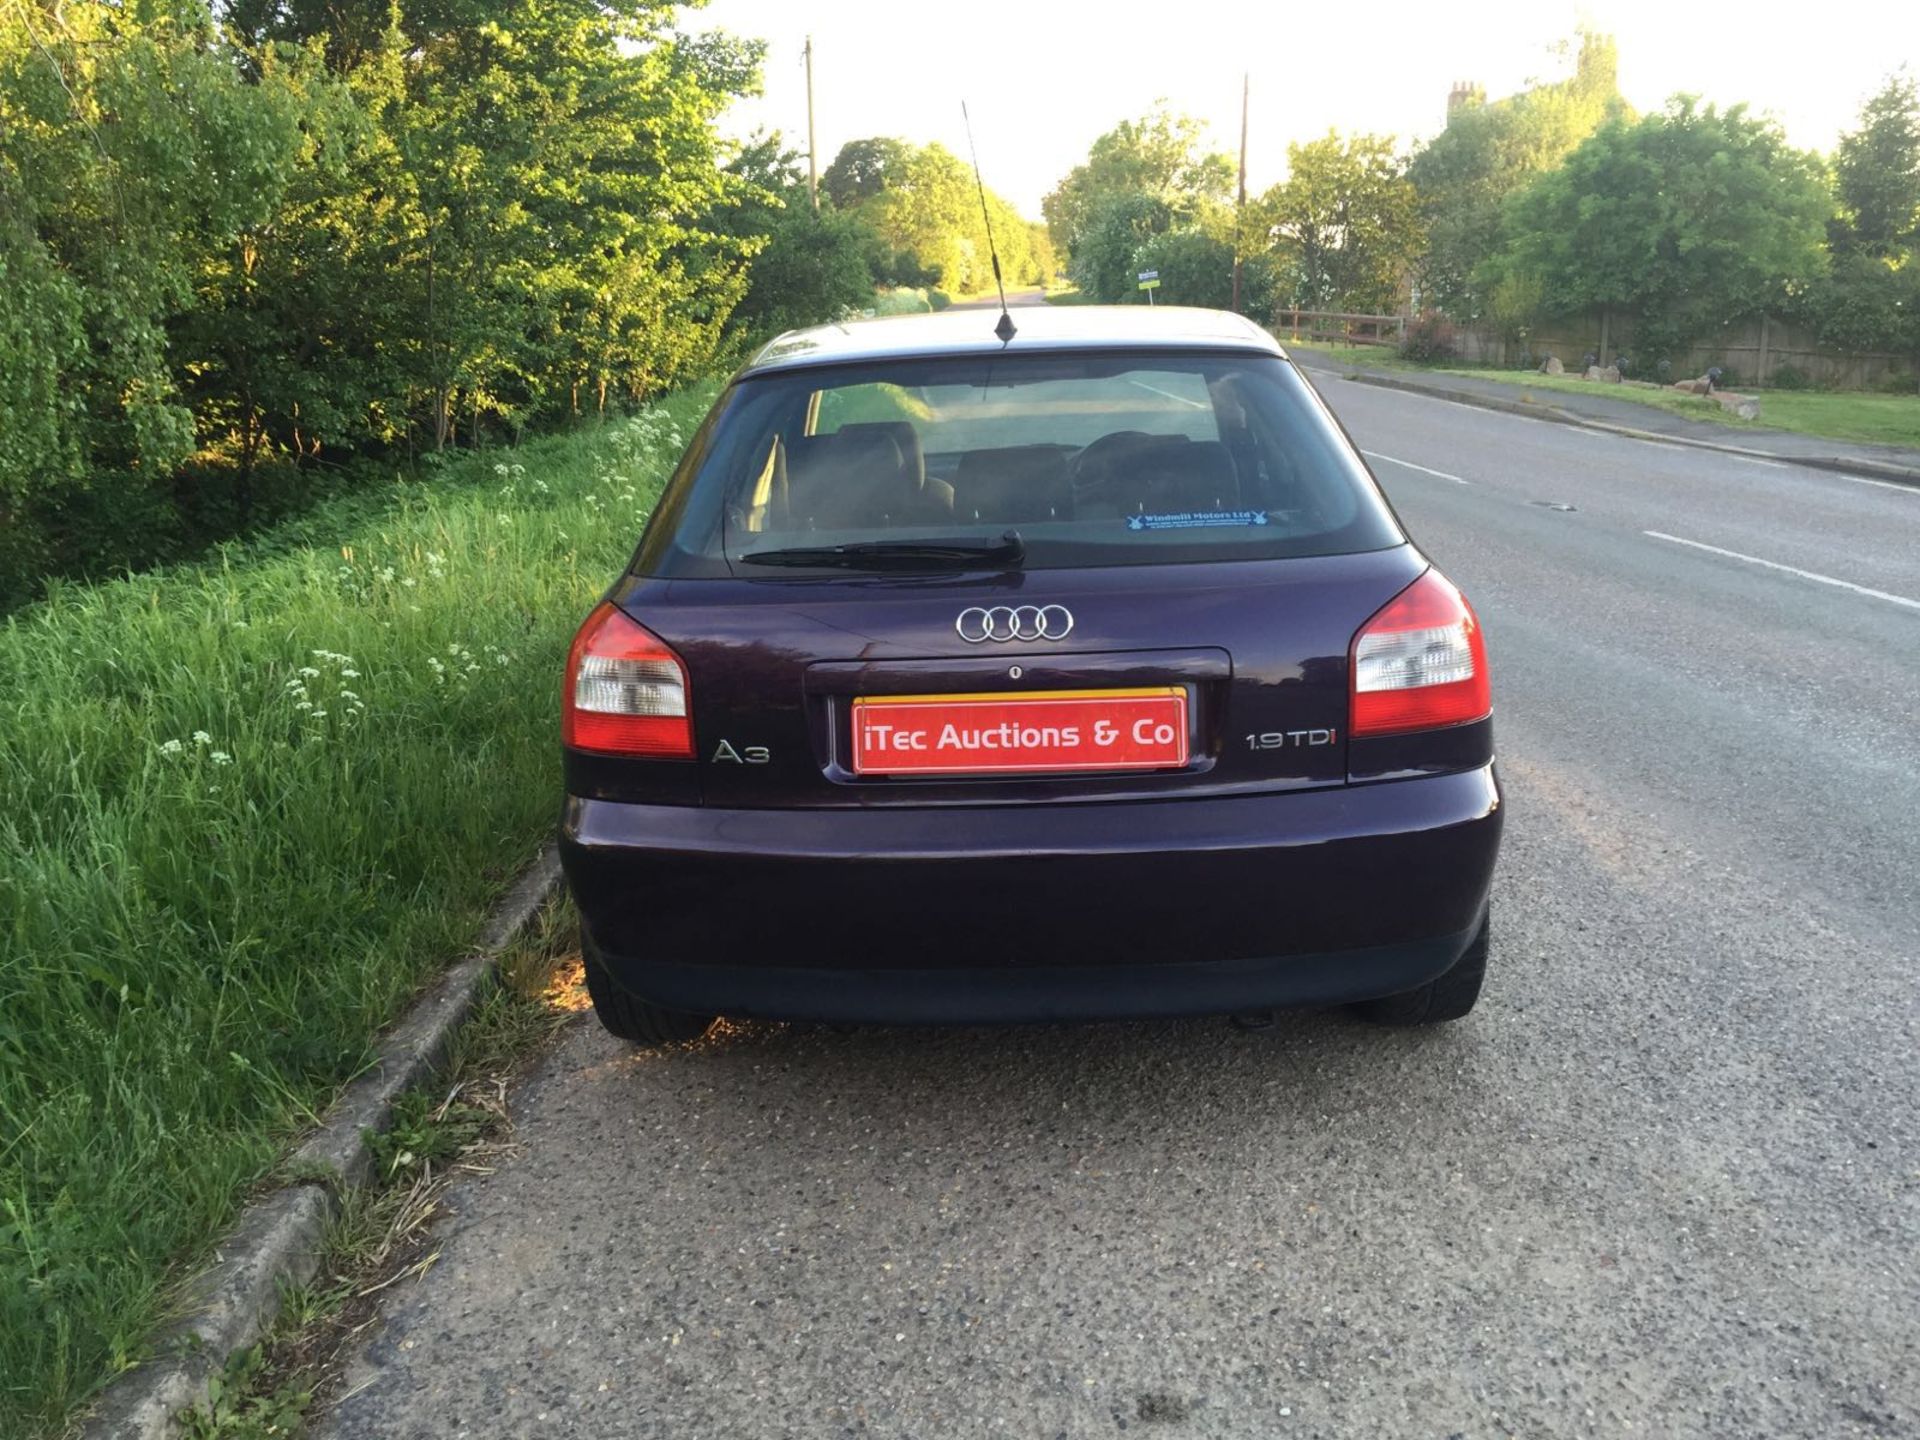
[1044,84]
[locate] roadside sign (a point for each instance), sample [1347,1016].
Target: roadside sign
[1149,282]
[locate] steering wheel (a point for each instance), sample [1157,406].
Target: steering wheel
[1092,468]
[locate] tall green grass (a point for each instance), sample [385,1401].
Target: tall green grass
[246,808]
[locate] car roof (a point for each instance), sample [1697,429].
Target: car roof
[1038,329]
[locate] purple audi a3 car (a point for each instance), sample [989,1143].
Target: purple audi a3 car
[1082,674]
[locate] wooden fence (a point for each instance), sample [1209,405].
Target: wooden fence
[1347,328]
[1752,352]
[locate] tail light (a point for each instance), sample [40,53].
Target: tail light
[626,692]
[1420,663]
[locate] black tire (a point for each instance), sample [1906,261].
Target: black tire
[1445,997]
[626,1016]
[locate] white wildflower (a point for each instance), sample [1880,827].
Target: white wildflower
[349,674]
[171,747]
[221,757]
[307,672]
[201,737]
[318,715]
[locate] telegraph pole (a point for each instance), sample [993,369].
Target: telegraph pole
[813,159]
[1240,205]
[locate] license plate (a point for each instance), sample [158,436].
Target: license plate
[1053,731]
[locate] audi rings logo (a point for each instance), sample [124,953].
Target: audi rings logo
[1014,622]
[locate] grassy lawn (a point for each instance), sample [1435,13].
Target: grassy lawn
[1836,414]
[1373,357]
[246,809]
[1861,416]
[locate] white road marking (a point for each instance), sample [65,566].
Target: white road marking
[1788,569]
[1185,400]
[1882,484]
[1822,470]
[1437,474]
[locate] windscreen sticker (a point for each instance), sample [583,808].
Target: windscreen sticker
[1196,519]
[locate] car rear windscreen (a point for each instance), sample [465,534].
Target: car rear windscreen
[1092,460]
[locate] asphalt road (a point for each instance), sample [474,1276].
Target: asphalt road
[1664,1182]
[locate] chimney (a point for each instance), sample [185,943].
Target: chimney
[1465,92]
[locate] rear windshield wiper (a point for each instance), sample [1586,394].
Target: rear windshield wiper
[1007,552]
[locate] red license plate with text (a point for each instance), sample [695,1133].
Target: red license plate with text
[1054,731]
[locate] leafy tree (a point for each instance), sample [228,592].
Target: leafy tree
[1685,220]
[286,320]
[1465,174]
[1196,268]
[924,204]
[1159,155]
[1345,224]
[1102,264]
[1044,262]
[1877,174]
[864,168]
[314,228]
[1864,304]
[130,149]
[929,210]
[813,268]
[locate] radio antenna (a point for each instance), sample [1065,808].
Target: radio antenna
[1004,329]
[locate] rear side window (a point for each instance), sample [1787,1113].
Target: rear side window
[1091,459]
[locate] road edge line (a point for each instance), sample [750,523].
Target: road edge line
[278,1239]
[1859,469]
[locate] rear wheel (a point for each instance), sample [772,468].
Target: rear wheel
[1445,997]
[626,1016]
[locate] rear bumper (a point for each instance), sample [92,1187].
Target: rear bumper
[1168,907]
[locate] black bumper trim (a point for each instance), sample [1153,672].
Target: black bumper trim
[1031,993]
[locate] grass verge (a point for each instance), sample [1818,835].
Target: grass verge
[456,1128]
[1858,416]
[246,808]
[1833,414]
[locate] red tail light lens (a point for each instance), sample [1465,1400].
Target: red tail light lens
[1420,663]
[626,692]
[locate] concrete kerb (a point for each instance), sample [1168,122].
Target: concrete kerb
[1842,465]
[279,1238]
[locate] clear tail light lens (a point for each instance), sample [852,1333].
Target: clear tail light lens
[1420,663]
[626,692]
